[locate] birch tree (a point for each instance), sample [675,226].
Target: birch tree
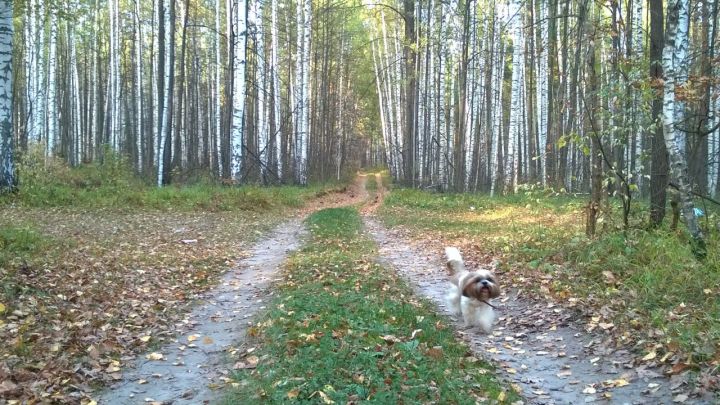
[218,90]
[516,116]
[239,13]
[8,181]
[139,106]
[675,68]
[52,85]
[276,120]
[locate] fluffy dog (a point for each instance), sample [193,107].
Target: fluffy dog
[471,291]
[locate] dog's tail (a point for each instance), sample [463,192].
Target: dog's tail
[454,260]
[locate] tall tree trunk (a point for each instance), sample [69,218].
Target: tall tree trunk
[8,181]
[461,113]
[181,93]
[52,85]
[675,67]
[139,135]
[218,91]
[276,121]
[239,89]
[659,162]
[516,116]
[409,53]
[591,105]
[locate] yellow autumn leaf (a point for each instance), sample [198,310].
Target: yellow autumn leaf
[621,382]
[193,338]
[154,356]
[292,394]
[501,396]
[253,360]
[2,307]
[650,356]
[325,398]
[207,340]
[145,339]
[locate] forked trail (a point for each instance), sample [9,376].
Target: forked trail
[539,347]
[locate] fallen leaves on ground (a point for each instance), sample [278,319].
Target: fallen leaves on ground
[110,285]
[618,326]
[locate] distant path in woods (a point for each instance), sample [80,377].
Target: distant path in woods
[191,369]
[538,346]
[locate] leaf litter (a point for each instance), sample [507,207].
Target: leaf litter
[112,285]
[545,346]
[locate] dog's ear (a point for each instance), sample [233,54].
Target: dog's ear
[454,260]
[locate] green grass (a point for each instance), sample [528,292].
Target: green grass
[343,328]
[112,184]
[646,278]
[18,242]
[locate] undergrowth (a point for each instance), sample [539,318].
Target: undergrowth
[343,328]
[112,184]
[648,281]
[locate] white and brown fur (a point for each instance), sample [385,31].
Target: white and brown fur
[471,292]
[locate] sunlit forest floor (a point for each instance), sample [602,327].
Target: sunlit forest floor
[344,328]
[642,289]
[95,265]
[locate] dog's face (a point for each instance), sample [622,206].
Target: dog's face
[480,284]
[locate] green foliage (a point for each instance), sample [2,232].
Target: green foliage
[112,184]
[18,242]
[644,277]
[344,328]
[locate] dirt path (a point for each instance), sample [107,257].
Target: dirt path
[540,348]
[196,362]
[192,368]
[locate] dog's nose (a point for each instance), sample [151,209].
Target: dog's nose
[485,282]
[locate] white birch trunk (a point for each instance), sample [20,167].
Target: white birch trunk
[518,60]
[239,90]
[497,109]
[167,93]
[298,89]
[639,118]
[140,134]
[95,86]
[76,113]
[262,135]
[7,160]
[675,62]
[156,88]
[381,105]
[113,94]
[713,122]
[275,65]
[39,60]
[386,79]
[30,69]
[340,124]
[52,86]
[302,90]
[218,90]
[306,90]
[542,89]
